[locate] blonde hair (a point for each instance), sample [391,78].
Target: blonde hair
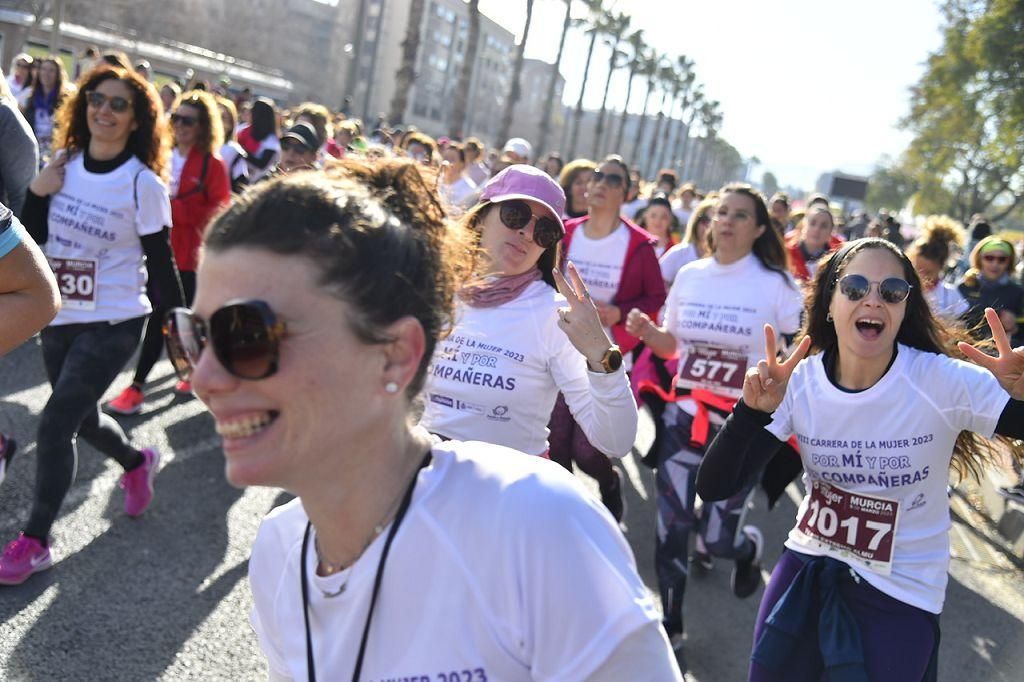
[938,233]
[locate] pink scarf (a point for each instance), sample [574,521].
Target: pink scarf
[493,291]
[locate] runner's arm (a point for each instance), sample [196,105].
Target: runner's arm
[1011,420]
[35,216]
[163,273]
[28,290]
[737,454]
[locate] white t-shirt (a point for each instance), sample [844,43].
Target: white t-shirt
[268,142]
[893,441]
[230,152]
[681,212]
[946,301]
[630,209]
[94,241]
[461,194]
[177,165]
[717,314]
[600,261]
[503,569]
[675,258]
[20,92]
[495,378]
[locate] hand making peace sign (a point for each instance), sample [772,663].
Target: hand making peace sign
[580,320]
[765,385]
[1008,366]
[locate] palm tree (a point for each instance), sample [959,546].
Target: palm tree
[710,120]
[669,83]
[651,64]
[595,27]
[517,72]
[696,102]
[617,25]
[457,122]
[684,69]
[636,44]
[549,99]
[407,70]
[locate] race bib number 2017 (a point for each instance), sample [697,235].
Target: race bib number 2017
[720,370]
[76,280]
[860,527]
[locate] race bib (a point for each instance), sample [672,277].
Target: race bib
[76,279]
[719,370]
[860,527]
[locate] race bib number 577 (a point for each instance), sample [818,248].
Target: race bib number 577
[720,370]
[76,279]
[860,528]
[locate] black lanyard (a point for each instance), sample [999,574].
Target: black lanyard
[399,515]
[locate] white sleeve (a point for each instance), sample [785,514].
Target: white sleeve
[975,397]
[602,404]
[788,306]
[153,210]
[671,307]
[644,655]
[571,579]
[264,577]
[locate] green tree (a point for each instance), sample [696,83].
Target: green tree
[967,113]
[594,26]
[517,72]
[407,68]
[549,98]
[617,25]
[457,122]
[636,42]
[892,185]
[769,183]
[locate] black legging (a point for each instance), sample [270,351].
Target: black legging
[81,361]
[153,341]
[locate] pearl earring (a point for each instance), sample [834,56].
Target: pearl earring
[391,387]
[829,317]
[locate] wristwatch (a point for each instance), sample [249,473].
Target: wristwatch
[612,359]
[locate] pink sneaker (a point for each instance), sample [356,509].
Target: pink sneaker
[22,558]
[138,483]
[183,388]
[128,402]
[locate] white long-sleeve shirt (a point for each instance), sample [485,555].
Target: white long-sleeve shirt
[497,375]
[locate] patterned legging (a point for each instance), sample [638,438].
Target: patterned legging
[718,524]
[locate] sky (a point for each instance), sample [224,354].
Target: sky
[807,86]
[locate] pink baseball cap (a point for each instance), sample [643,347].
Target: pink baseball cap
[521,181]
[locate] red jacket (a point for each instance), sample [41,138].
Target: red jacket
[197,200]
[797,263]
[641,285]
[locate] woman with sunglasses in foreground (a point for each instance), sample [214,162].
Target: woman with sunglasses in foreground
[199,188]
[713,319]
[988,284]
[517,342]
[859,588]
[322,298]
[617,261]
[102,214]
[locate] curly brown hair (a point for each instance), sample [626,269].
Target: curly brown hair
[211,126]
[149,141]
[377,234]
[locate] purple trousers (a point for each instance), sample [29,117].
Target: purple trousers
[900,641]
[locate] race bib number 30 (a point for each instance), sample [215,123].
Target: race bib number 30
[719,370]
[860,527]
[76,279]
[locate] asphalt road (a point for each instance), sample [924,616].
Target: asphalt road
[166,596]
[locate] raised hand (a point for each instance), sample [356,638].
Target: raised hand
[580,320]
[637,322]
[1008,365]
[51,179]
[764,386]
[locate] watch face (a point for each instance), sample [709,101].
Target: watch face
[613,359]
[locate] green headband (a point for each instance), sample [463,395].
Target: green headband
[997,245]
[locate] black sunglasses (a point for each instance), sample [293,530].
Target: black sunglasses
[891,289]
[611,179]
[294,145]
[245,336]
[515,214]
[187,121]
[117,103]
